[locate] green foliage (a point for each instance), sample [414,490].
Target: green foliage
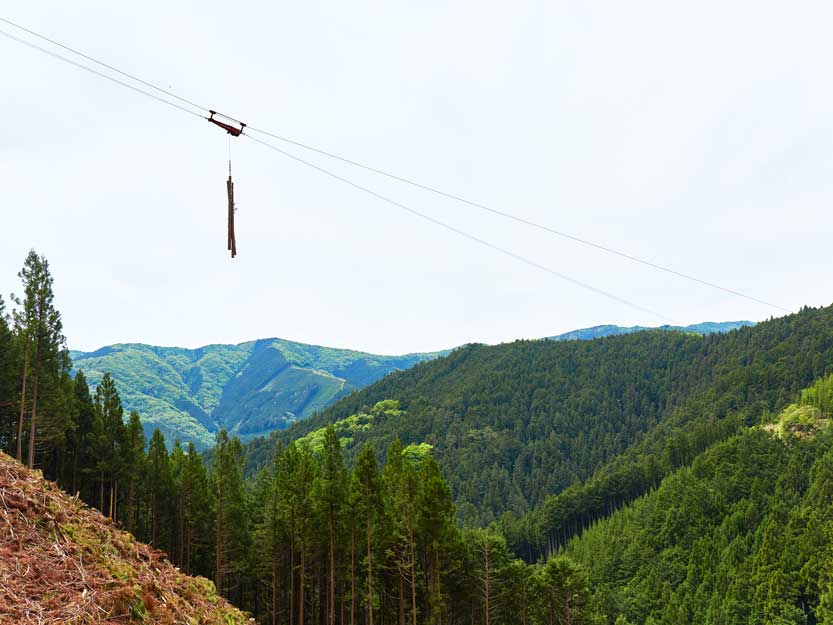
[631,470]
[9,373]
[347,428]
[250,389]
[743,535]
[544,437]
[820,396]
[563,593]
[39,332]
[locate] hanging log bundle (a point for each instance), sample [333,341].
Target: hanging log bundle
[234,128]
[232,244]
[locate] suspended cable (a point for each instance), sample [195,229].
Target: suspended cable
[518,219]
[354,163]
[100,74]
[102,63]
[462,233]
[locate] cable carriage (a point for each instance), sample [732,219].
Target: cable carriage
[234,128]
[231,128]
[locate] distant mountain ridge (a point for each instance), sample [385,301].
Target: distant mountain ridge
[250,389]
[597,332]
[259,386]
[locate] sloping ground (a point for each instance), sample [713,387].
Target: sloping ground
[62,562]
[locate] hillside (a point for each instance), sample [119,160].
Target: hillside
[514,425]
[742,535]
[250,389]
[62,562]
[260,386]
[597,332]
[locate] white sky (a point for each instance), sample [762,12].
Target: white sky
[696,135]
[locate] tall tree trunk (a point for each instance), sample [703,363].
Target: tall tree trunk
[218,549]
[131,505]
[301,590]
[274,588]
[153,519]
[188,549]
[413,576]
[332,574]
[22,405]
[292,576]
[180,533]
[101,491]
[353,575]
[401,595]
[369,576]
[74,489]
[32,421]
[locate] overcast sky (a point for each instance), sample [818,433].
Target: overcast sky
[697,135]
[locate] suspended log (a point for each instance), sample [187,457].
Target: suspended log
[232,244]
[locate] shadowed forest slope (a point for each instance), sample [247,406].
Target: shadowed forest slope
[515,425]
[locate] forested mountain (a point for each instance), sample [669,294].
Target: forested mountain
[743,534]
[250,389]
[597,332]
[259,386]
[514,425]
[660,477]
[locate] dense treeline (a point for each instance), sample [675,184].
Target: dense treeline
[656,478]
[306,540]
[743,535]
[545,437]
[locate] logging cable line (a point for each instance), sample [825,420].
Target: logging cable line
[518,219]
[460,232]
[97,73]
[97,62]
[349,161]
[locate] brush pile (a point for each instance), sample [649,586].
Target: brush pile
[62,562]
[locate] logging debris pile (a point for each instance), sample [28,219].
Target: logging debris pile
[63,562]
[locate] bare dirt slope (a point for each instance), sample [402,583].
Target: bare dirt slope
[63,562]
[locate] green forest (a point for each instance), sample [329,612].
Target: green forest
[250,389]
[655,477]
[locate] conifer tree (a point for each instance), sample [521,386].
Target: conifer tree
[490,557]
[109,434]
[369,510]
[9,374]
[437,530]
[159,490]
[231,524]
[132,461]
[562,593]
[271,531]
[198,505]
[177,462]
[82,442]
[402,494]
[302,472]
[40,332]
[330,493]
